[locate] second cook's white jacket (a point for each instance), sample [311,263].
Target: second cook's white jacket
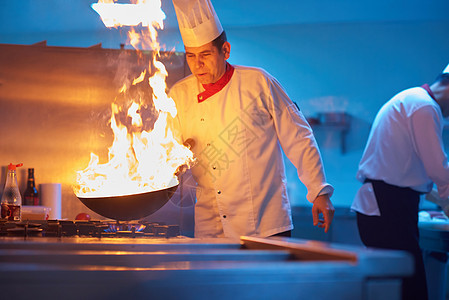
[405,148]
[240,173]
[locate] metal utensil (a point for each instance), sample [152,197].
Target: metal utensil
[129,207]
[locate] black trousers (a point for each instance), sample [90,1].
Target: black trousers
[396,228]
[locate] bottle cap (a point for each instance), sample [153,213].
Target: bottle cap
[13,167]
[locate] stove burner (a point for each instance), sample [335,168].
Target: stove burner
[116,227]
[65,228]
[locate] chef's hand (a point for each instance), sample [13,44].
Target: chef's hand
[434,197]
[323,205]
[189,143]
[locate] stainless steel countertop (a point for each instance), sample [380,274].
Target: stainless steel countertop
[190,268]
[434,235]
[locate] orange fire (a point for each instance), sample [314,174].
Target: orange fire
[139,160]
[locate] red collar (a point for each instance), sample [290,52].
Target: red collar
[213,88]
[429,91]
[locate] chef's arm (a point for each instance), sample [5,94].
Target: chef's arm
[434,197]
[323,205]
[430,148]
[298,142]
[296,138]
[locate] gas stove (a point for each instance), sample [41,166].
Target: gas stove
[81,228]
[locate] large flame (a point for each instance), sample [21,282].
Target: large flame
[139,161]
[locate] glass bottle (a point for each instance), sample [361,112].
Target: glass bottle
[31,196]
[11,203]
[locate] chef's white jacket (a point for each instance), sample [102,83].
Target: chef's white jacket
[239,132]
[404,148]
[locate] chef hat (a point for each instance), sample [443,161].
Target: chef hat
[446,70]
[198,22]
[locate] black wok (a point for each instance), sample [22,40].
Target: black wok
[129,207]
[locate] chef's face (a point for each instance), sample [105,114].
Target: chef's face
[207,62]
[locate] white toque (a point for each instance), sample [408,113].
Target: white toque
[446,70]
[197,21]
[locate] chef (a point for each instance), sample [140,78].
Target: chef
[403,158]
[239,118]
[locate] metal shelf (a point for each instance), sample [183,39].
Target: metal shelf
[333,121]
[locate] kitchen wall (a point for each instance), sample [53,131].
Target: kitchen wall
[345,56]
